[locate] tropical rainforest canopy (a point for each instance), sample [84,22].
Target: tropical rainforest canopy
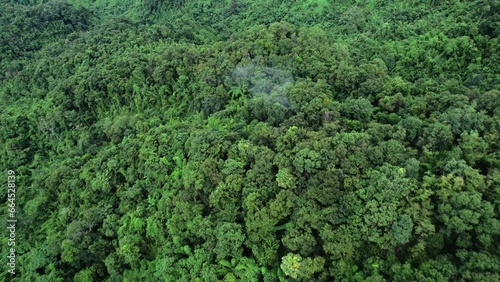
[239,140]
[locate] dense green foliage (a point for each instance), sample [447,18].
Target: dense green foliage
[242,140]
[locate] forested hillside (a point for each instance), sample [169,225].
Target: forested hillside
[251,140]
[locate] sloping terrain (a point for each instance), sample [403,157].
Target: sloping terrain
[251,140]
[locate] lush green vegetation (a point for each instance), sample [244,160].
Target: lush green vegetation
[242,140]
